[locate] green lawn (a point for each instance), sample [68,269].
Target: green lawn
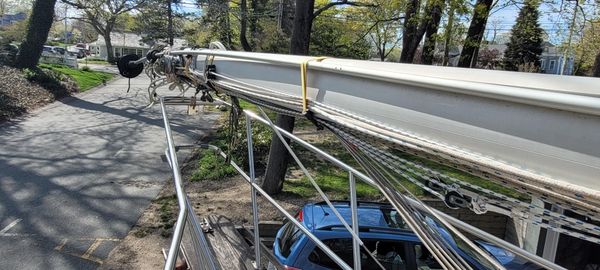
[333,180]
[92,61]
[85,79]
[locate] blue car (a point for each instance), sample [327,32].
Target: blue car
[383,232]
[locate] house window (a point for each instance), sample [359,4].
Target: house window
[552,64]
[542,64]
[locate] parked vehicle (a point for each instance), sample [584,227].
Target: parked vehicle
[78,52]
[383,232]
[84,47]
[53,51]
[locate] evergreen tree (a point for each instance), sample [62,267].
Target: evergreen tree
[525,45]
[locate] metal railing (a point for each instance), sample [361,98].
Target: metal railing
[199,250]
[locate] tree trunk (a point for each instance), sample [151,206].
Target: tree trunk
[243,26]
[448,37]
[470,49]
[170,21]
[258,9]
[278,157]
[278,154]
[110,56]
[40,22]
[597,66]
[411,23]
[287,16]
[2,7]
[431,31]
[303,20]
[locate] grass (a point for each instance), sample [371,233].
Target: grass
[334,181]
[212,167]
[85,79]
[167,214]
[93,61]
[463,176]
[331,179]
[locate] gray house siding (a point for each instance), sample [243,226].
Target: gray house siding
[552,64]
[8,19]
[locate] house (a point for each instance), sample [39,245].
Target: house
[124,44]
[552,60]
[9,19]
[491,55]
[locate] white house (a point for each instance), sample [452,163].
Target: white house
[122,44]
[126,43]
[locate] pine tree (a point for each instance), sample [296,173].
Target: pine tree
[525,45]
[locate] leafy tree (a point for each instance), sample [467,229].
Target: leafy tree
[587,48]
[216,20]
[481,12]
[385,24]
[103,15]
[14,32]
[155,24]
[596,72]
[488,58]
[336,33]
[14,6]
[454,30]
[305,14]
[38,27]
[431,29]
[525,45]
[88,33]
[244,25]
[418,21]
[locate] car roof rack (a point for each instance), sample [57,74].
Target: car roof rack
[368,229]
[359,203]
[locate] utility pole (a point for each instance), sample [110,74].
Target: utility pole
[568,47]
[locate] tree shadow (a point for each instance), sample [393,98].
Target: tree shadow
[9,107]
[85,170]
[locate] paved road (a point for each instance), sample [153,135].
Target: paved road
[76,175]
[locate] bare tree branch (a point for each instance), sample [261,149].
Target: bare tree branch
[341,2]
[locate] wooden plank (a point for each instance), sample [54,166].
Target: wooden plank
[228,246]
[266,252]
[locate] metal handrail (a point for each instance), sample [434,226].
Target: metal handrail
[182,200]
[455,222]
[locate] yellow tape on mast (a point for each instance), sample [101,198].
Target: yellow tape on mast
[303,73]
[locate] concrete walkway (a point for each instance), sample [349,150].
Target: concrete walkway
[77,174]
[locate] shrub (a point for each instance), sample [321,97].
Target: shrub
[8,54]
[50,79]
[85,68]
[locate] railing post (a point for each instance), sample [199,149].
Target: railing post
[254,203]
[354,208]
